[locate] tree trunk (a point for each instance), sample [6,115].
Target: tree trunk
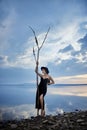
[37,56]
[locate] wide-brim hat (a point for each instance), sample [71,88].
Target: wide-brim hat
[45,68]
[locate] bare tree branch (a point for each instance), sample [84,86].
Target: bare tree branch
[36,41]
[44,38]
[34,54]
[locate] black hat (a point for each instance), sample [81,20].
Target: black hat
[45,68]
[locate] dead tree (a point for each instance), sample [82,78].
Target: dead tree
[36,54]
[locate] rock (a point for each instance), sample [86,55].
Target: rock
[70,126]
[76,110]
[83,116]
[67,121]
[51,123]
[48,122]
[13,126]
[83,123]
[31,117]
[80,120]
[35,128]
[66,115]
[45,121]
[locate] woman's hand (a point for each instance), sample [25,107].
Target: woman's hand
[37,63]
[51,81]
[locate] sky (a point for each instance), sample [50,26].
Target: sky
[64,51]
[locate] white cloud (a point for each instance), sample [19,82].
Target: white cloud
[24,111]
[57,40]
[81,58]
[6,30]
[85,26]
[4,60]
[54,112]
[17,112]
[64,56]
[76,79]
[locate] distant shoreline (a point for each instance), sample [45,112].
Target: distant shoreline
[35,84]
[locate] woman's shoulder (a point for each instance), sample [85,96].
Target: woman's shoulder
[49,76]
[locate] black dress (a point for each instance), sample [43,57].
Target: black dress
[42,89]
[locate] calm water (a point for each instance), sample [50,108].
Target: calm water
[18,101]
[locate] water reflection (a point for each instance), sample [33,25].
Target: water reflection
[70,90]
[18,101]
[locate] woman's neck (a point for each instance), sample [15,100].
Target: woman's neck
[45,74]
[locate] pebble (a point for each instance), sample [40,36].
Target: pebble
[80,120]
[68,121]
[13,126]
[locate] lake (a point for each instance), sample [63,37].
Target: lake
[18,101]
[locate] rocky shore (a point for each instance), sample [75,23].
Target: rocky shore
[68,121]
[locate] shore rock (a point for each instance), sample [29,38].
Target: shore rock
[68,121]
[13,126]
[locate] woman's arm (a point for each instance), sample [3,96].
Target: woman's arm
[51,80]
[36,70]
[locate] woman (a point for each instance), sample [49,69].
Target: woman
[42,88]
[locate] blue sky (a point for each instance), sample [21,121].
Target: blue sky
[64,51]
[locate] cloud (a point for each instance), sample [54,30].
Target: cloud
[58,39]
[84,42]
[6,30]
[54,112]
[86,26]
[25,59]
[62,44]
[50,51]
[17,112]
[3,60]
[76,79]
[81,57]
[24,111]
[64,56]
[67,48]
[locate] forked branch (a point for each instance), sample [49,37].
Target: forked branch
[36,55]
[44,38]
[36,40]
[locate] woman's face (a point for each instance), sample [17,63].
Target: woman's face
[43,71]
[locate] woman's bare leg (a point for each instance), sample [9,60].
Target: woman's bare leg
[42,105]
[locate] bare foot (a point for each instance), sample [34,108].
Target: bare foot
[42,113]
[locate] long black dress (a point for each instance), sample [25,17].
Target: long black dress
[42,89]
